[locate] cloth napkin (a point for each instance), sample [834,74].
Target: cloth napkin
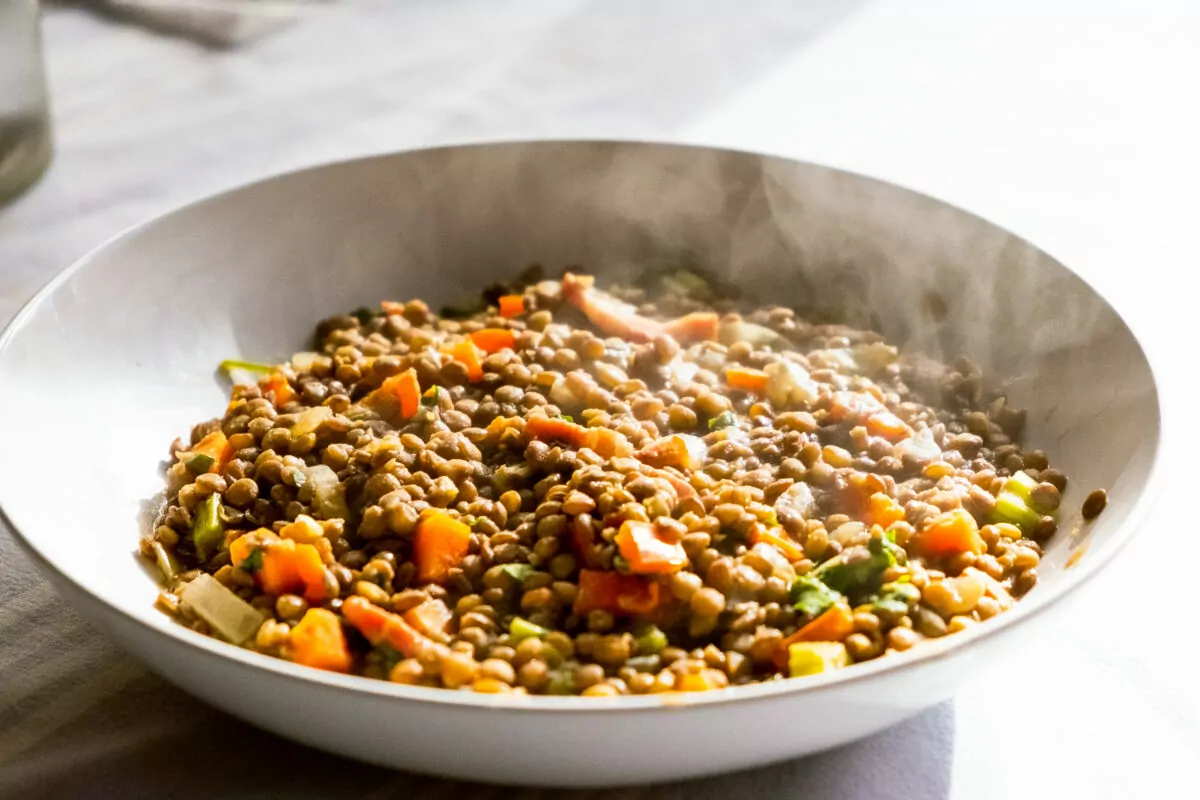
[223,23]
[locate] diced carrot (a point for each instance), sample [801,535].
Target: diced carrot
[493,340]
[625,595]
[950,533]
[608,443]
[833,625]
[384,627]
[215,446]
[696,682]
[647,550]
[440,544]
[244,546]
[431,618]
[676,450]
[555,429]
[318,641]
[699,326]
[391,307]
[289,567]
[397,398]
[888,425]
[512,305]
[746,379]
[777,538]
[311,570]
[283,391]
[465,352]
[883,510]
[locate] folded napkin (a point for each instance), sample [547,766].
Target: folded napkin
[224,23]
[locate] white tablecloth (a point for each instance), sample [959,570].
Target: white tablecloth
[1071,123]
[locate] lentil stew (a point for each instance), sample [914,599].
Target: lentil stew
[568,490]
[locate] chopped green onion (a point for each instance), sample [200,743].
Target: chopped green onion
[521,629]
[230,364]
[813,658]
[208,532]
[651,642]
[431,396]
[722,421]
[568,417]
[200,463]
[810,596]
[621,564]
[561,682]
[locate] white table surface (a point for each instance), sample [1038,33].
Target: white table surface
[1072,123]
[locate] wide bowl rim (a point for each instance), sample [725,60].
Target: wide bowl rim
[1074,579]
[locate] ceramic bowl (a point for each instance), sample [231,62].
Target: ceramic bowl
[117,357]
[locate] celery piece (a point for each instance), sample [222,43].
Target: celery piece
[651,641]
[208,531]
[1011,508]
[1020,484]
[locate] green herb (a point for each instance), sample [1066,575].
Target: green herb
[364,315]
[391,657]
[568,417]
[722,421]
[253,562]
[561,682]
[813,597]
[621,564]
[464,310]
[200,463]
[208,532]
[860,568]
[896,598]
[518,572]
[520,629]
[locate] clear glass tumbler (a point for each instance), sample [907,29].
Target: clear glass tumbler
[25,144]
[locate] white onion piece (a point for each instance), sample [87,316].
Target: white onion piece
[789,384]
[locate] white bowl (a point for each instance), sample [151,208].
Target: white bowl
[117,356]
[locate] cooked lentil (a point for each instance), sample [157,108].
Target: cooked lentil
[648,490]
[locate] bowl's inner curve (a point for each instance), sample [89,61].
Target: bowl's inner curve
[120,357]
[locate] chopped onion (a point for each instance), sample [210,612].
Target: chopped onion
[794,503]
[329,494]
[788,383]
[303,362]
[311,419]
[919,446]
[683,371]
[226,613]
[742,331]
[560,395]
